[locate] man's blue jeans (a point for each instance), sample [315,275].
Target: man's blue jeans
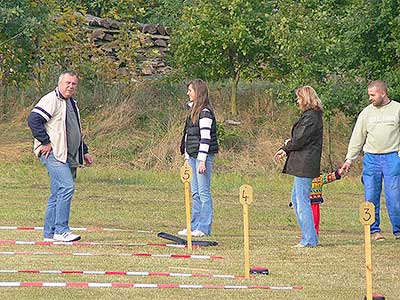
[386,167]
[202,206]
[61,191]
[302,207]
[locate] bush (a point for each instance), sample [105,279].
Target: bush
[229,137]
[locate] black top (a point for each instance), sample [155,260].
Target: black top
[193,136]
[305,146]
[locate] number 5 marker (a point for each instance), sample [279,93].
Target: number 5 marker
[186,176]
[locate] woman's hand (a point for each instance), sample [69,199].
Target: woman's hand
[281,154]
[88,159]
[202,167]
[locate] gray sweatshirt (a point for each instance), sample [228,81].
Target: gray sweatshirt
[377,131]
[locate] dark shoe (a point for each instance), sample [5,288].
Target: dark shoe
[397,236]
[377,236]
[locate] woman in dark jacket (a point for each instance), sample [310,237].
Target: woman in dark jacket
[303,157]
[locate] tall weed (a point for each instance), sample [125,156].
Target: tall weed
[139,125]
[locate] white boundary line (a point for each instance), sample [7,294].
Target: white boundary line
[14,242]
[142,285]
[184,256]
[27,228]
[127,273]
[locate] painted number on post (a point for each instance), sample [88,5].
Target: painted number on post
[186,173]
[367,213]
[246,194]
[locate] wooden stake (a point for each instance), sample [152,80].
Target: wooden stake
[367,217]
[245,198]
[368,261]
[186,176]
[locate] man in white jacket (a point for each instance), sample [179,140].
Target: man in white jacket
[56,127]
[377,133]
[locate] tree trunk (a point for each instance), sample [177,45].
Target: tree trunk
[330,143]
[235,82]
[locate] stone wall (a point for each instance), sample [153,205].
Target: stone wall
[153,39]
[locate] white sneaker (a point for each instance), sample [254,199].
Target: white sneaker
[48,240]
[66,237]
[299,245]
[198,233]
[183,232]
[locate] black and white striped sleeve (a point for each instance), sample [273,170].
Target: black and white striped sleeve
[205,123]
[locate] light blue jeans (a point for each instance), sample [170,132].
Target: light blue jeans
[62,188]
[202,205]
[302,207]
[386,167]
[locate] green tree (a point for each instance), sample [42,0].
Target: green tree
[337,46]
[373,37]
[313,46]
[225,39]
[118,10]
[69,46]
[22,24]
[38,39]
[164,12]
[305,39]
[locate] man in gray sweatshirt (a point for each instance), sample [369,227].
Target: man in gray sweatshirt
[377,133]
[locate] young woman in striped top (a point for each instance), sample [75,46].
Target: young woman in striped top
[200,145]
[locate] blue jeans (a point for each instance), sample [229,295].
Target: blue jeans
[62,188]
[302,207]
[202,206]
[386,167]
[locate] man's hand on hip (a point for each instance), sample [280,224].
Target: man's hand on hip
[45,150]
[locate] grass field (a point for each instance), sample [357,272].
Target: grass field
[110,197]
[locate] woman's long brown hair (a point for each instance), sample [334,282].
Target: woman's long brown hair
[202,101]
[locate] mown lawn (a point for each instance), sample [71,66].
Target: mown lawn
[109,197]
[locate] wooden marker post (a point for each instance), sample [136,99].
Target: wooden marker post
[367,217]
[186,176]
[245,198]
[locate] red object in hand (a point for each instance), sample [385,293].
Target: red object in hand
[376,297]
